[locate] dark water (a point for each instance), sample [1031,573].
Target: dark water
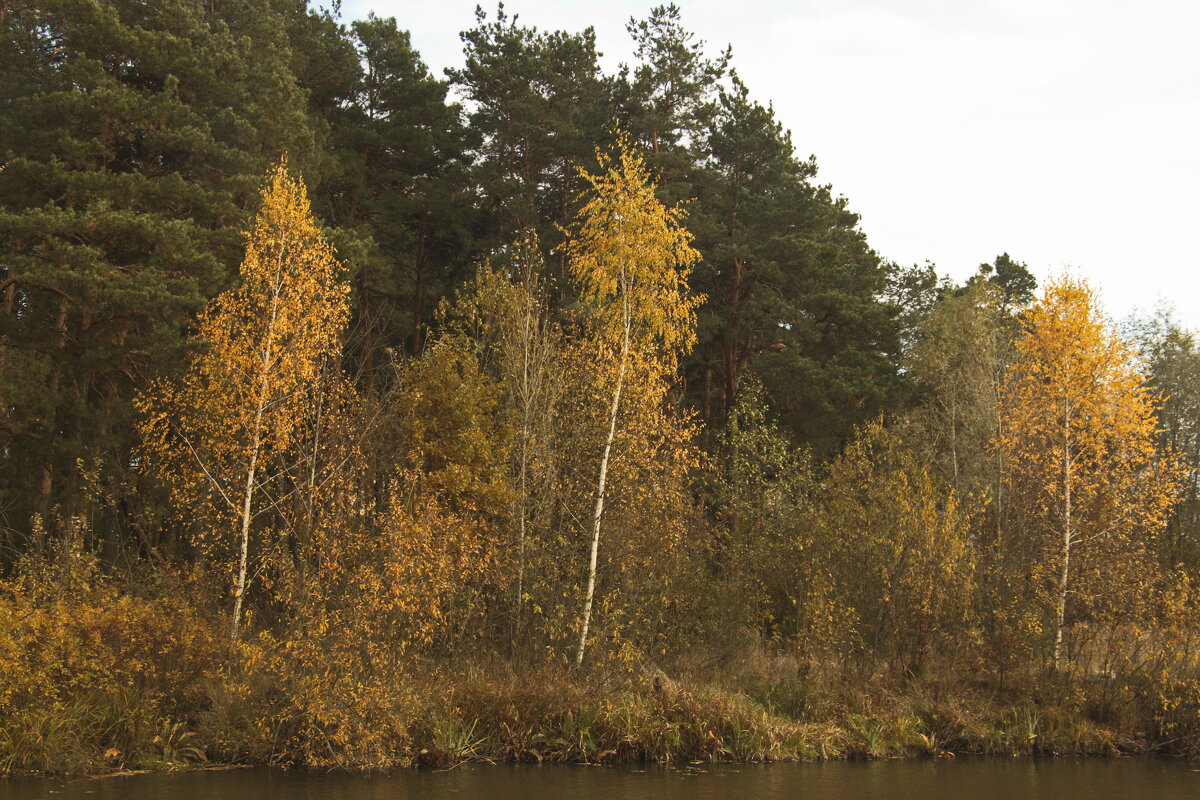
[970,778]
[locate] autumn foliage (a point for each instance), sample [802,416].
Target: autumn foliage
[1083,466]
[897,547]
[554,414]
[230,438]
[418,561]
[630,257]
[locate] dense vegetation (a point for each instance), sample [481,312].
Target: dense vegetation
[342,423]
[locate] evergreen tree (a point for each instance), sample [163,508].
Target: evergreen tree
[794,292]
[1013,278]
[541,105]
[404,188]
[133,136]
[668,99]
[674,80]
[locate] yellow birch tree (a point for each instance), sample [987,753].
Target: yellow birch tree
[221,435]
[1078,440]
[630,257]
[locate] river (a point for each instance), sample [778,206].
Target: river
[971,778]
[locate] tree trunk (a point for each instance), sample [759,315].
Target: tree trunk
[521,512]
[1061,611]
[247,500]
[954,439]
[239,591]
[310,502]
[730,355]
[707,406]
[1064,571]
[10,295]
[523,470]
[419,294]
[529,384]
[598,513]
[45,487]
[999,489]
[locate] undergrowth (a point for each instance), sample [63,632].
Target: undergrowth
[99,677]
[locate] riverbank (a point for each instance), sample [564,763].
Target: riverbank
[550,715]
[95,678]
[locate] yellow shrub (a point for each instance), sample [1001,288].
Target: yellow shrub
[86,668]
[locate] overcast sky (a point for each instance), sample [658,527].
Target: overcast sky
[1065,133]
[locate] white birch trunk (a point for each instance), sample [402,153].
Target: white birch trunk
[1064,571]
[239,592]
[247,500]
[598,513]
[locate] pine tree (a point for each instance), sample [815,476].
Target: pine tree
[405,189]
[541,105]
[133,136]
[794,292]
[670,97]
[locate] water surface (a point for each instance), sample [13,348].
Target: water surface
[970,778]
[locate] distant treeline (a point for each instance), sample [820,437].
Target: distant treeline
[318,387]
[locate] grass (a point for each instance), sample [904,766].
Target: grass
[553,716]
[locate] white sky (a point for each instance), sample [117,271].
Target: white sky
[1064,132]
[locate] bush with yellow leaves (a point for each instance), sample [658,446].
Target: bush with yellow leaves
[90,674]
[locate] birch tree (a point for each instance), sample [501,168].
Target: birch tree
[1079,439]
[220,436]
[630,257]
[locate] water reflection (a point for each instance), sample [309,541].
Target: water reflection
[971,778]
